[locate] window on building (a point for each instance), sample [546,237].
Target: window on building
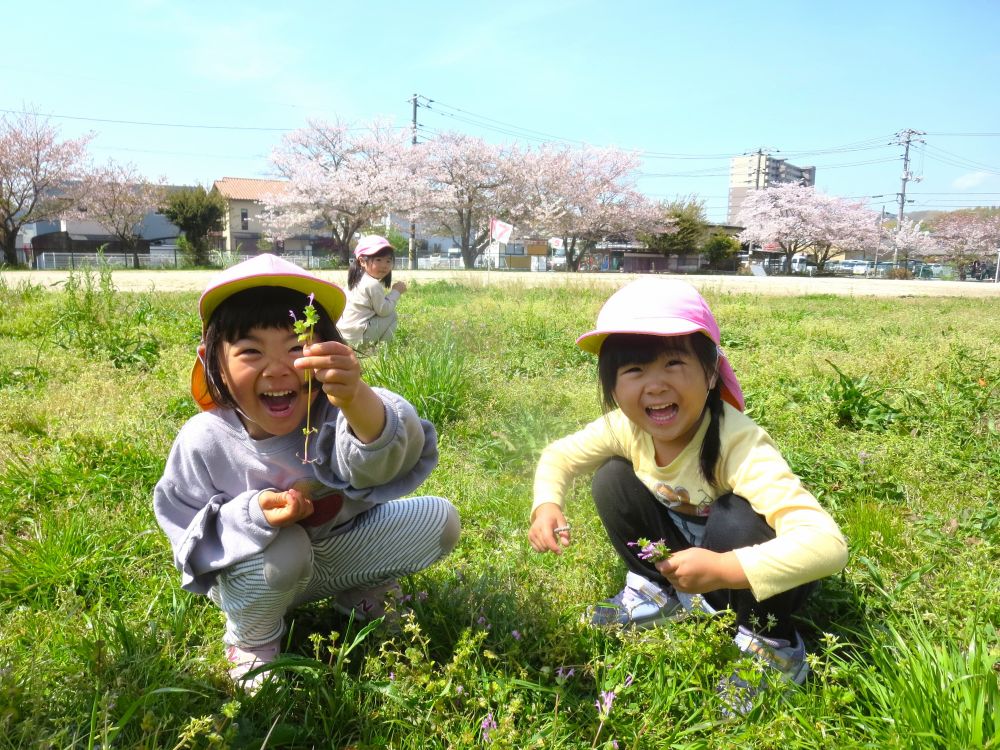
[244,219]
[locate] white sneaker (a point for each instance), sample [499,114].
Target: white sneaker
[366,603]
[245,660]
[641,604]
[780,661]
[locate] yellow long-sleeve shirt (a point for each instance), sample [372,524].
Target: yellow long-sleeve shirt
[808,543]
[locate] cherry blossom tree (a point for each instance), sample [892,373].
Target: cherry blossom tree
[38,175]
[118,198]
[341,178]
[799,218]
[968,236]
[466,182]
[584,195]
[911,240]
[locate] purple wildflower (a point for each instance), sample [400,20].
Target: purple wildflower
[628,681]
[516,635]
[488,725]
[604,704]
[563,674]
[652,551]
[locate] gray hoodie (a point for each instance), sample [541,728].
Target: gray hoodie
[207,499]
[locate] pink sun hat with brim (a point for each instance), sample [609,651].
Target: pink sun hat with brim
[370,244]
[661,307]
[262,270]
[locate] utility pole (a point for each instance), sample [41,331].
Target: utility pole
[905,138]
[413,225]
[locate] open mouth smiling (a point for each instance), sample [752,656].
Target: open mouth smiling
[662,413]
[279,403]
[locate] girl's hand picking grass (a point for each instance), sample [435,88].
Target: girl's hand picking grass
[549,531]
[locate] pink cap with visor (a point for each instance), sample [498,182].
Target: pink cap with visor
[262,270]
[661,307]
[371,244]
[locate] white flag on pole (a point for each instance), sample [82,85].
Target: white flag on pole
[556,243]
[500,231]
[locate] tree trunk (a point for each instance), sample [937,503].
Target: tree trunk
[10,249]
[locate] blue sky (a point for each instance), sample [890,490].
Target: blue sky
[688,84]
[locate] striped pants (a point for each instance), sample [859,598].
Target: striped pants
[389,541]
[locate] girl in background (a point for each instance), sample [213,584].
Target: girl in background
[370,315]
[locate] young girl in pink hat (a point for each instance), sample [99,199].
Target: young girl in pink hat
[263,517]
[370,315]
[676,459]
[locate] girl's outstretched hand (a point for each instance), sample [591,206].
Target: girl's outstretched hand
[336,367]
[549,531]
[697,571]
[284,508]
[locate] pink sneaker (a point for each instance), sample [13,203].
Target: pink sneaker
[366,603]
[246,659]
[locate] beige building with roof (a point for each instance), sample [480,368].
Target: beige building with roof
[242,231]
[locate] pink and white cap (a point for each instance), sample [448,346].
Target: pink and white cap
[261,270]
[370,244]
[661,307]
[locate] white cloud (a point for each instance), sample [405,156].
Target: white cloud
[970,180]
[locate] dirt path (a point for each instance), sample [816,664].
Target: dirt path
[173,281]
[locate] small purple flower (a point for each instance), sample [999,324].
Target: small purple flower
[459,689]
[516,634]
[652,551]
[563,674]
[614,744]
[488,725]
[392,675]
[628,681]
[311,297]
[604,704]
[292,313]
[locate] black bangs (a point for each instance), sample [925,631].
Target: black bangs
[263,307]
[621,349]
[258,307]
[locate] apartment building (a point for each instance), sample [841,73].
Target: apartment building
[758,171]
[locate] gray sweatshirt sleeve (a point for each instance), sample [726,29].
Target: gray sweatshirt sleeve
[208,530]
[392,466]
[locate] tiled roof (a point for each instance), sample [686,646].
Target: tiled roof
[247,189]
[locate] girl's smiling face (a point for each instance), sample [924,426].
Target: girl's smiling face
[270,393]
[665,397]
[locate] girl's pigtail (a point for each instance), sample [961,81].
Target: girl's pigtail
[354,274]
[712,445]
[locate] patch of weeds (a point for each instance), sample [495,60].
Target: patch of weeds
[180,408]
[917,686]
[431,375]
[95,318]
[516,442]
[859,405]
[25,377]
[835,479]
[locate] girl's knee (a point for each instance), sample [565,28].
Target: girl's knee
[733,523]
[610,478]
[288,558]
[451,529]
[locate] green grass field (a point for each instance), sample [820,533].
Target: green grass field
[888,409]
